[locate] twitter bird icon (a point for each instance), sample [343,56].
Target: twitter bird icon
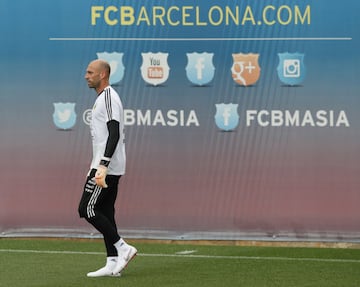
[64,116]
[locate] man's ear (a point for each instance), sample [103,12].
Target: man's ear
[102,75]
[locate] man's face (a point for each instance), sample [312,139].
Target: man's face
[92,76]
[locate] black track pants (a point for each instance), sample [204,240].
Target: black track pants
[97,207]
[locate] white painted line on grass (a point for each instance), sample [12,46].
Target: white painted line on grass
[189,256]
[49,251]
[186,252]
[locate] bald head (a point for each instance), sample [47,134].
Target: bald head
[97,75]
[101,66]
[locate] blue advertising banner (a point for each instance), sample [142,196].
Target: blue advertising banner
[241,116]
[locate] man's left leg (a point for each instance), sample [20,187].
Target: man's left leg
[124,251]
[90,208]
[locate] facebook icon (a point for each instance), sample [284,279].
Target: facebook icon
[226,117]
[200,69]
[199,66]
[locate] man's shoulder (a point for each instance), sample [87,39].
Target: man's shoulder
[110,91]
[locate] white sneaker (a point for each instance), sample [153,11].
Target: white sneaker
[126,253]
[102,272]
[107,270]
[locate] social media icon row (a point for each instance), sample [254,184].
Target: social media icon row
[200,70]
[226,117]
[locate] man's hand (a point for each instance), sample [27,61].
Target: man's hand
[100,176]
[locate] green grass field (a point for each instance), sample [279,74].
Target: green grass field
[65,263]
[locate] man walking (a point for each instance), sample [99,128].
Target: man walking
[107,166]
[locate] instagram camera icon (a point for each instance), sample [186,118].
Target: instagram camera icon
[291,68]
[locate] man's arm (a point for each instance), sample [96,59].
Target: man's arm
[112,141]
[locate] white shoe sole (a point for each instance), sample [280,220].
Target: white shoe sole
[103,273]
